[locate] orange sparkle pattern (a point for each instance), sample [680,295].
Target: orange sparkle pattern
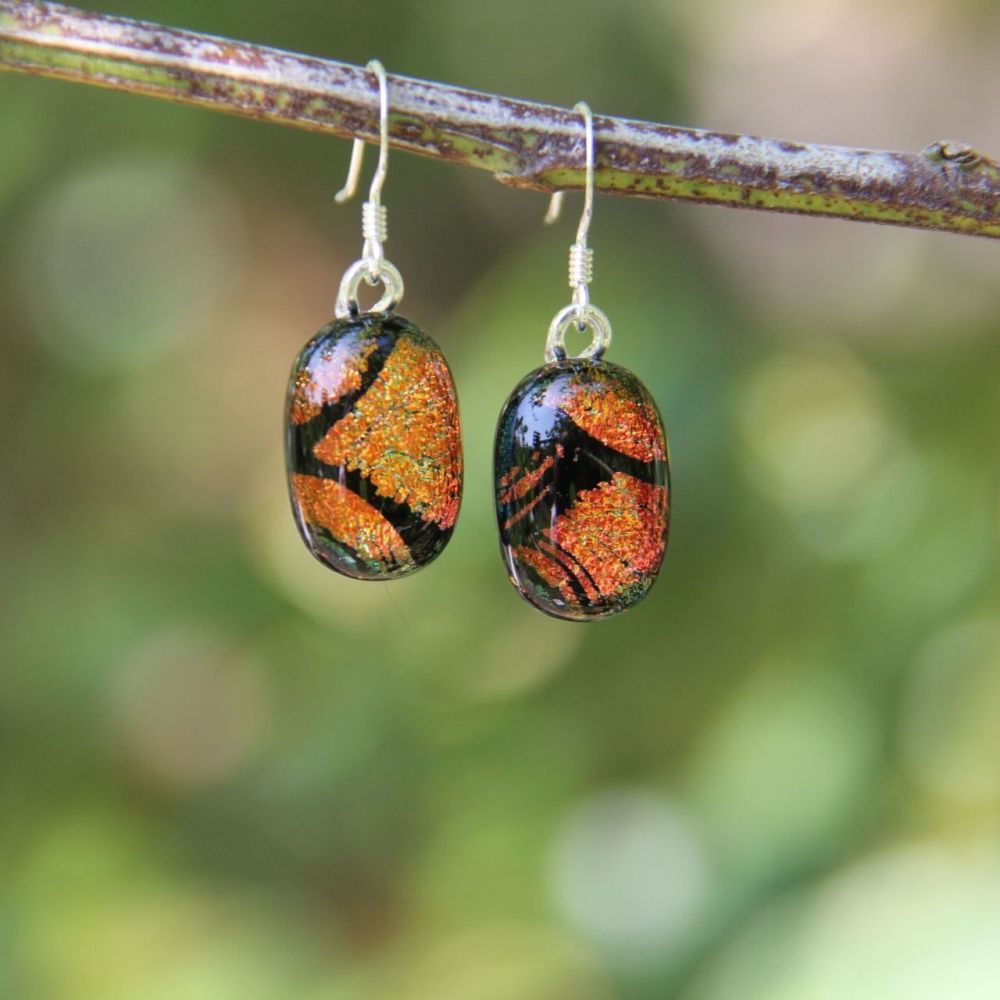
[508,477]
[566,560]
[615,531]
[330,374]
[403,434]
[620,419]
[551,571]
[517,488]
[350,520]
[524,511]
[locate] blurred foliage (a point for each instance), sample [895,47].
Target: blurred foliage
[228,774]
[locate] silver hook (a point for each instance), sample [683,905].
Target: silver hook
[588,197]
[555,203]
[372,267]
[581,257]
[347,192]
[358,148]
[554,210]
[581,265]
[374,219]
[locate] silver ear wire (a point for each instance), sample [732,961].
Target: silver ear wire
[555,202]
[588,199]
[581,257]
[581,264]
[374,219]
[555,208]
[358,149]
[347,192]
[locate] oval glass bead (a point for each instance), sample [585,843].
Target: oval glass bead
[373,447]
[582,477]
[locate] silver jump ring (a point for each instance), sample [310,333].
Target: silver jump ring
[592,317]
[370,272]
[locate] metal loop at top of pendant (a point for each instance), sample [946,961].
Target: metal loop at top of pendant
[372,267]
[580,313]
[591,317]
[371,272]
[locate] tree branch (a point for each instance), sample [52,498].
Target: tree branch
[947,186]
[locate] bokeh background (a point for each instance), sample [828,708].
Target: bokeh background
[228,774]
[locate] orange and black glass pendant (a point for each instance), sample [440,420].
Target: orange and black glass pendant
[373,447]
[372,441]
[582,488]
[581,467]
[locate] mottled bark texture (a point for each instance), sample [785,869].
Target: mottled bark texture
[947,186]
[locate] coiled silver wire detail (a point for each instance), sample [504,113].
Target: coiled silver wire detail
[372,268]
[580,313]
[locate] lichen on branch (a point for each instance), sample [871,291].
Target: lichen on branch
[948,186]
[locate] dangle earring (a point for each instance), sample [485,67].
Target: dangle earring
[372,442]
[581,467]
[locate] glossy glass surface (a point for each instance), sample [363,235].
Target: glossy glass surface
[582,484]
[373,447]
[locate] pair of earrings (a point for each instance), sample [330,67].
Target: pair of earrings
[374,450]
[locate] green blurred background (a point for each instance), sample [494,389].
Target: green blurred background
[228,774]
